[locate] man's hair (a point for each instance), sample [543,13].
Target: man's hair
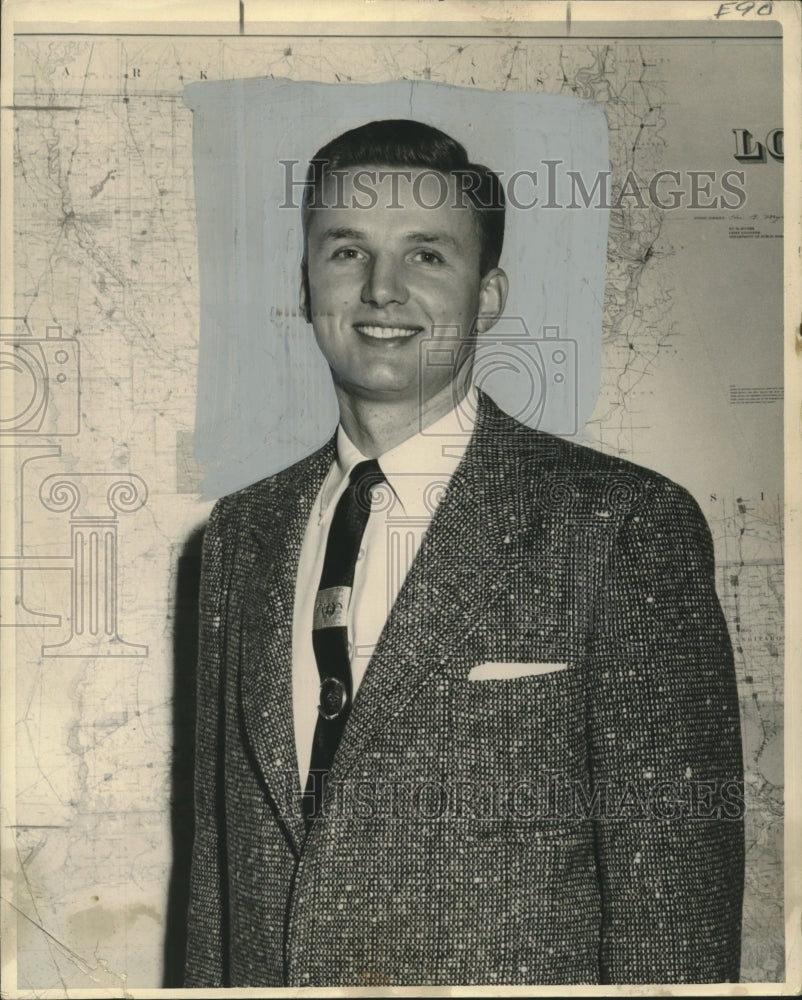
[401,142]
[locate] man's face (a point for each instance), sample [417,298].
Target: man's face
[384,278]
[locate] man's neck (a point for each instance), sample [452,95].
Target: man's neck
[376,427]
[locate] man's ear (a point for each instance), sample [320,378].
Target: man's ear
[304,299]
[492,298]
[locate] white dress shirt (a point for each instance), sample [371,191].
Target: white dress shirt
[417,472]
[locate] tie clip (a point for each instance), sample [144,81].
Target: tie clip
[331,608]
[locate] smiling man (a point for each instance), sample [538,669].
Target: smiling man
[466,703]
[380,276]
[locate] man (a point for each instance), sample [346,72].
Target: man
[467,713]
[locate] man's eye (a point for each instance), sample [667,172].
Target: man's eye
[427,257]
[346,253]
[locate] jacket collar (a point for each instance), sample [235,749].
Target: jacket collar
[500,454]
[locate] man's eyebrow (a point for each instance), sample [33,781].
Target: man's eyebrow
[435,237]
[342,233]
[348,233]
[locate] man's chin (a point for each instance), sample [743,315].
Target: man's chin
[381,388]
[399,391]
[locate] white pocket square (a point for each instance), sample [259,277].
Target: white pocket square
[493,671]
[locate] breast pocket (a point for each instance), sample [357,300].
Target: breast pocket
[522,723]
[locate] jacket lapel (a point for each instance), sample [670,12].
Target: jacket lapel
[462,569]
[265,691]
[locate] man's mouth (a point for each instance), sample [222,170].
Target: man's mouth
[386,332]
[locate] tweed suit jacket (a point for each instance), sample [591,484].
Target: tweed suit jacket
[575,818]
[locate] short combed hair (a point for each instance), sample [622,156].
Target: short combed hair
[402,142]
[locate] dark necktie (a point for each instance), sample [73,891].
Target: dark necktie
[330,627]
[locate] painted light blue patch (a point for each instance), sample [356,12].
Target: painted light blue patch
[265,398]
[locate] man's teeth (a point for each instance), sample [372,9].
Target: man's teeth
[387,332]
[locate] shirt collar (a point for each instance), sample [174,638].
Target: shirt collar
[419,468]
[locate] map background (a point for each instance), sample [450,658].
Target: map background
[105,249]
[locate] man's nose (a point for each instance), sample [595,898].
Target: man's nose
[384,282]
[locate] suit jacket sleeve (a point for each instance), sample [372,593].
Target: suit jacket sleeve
[665,751]
[206,917]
